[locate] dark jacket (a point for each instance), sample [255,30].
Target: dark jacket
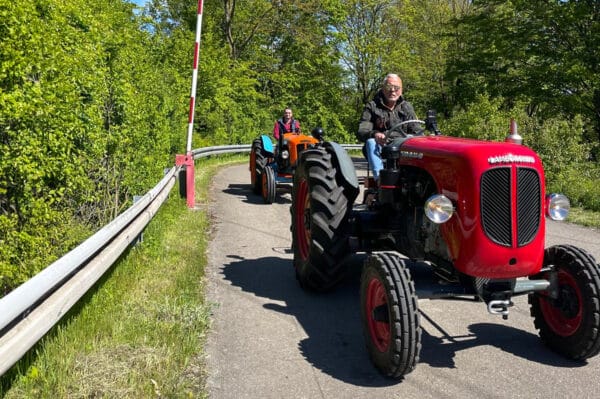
[376,117]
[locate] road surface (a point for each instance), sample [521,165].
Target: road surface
[271,339]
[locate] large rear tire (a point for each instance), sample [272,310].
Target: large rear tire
[257,164]
[269,185]
[320,225]
[390,314]
[570,324]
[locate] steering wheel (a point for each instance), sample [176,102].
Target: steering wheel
[397,127]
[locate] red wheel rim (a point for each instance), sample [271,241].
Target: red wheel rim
[302,216]
[253,167]
[379,330]
[564,315]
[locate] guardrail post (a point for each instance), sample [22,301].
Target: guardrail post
[139,238]
[187,161]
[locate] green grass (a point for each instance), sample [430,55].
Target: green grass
[584,217]
[140,332]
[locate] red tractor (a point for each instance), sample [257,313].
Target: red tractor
[449,218]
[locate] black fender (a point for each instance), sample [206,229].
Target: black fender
[345,165]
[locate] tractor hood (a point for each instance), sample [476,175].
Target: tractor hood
[497,189]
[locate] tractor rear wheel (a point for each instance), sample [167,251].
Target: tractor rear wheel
[570,323]
[257,164]
[269,185]
[390,314]
[320,225]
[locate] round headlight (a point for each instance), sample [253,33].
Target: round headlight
[557,206]
[438,208]
[285,154]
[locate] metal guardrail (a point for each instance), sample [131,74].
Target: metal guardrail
[29,311]
[220,149]
[223,149]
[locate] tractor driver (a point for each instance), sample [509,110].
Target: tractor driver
[387,109]
[287,124]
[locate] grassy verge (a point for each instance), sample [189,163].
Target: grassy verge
[140,332]
[584,217]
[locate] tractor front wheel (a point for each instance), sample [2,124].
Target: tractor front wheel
[390,314]
[269,185]
[257,164]
[569,322]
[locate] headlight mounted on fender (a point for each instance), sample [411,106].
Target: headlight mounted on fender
[557,206]
[285,154]
[439,208]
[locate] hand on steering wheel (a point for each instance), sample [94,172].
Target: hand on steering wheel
[380,138]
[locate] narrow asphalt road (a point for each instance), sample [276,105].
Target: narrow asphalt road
[271,339]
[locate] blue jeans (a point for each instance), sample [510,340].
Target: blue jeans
[373,153]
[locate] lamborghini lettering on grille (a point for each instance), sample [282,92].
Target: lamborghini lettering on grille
[510,158]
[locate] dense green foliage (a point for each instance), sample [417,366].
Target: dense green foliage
[94,95]
[91,112]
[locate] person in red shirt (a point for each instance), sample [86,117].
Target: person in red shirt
[286,124]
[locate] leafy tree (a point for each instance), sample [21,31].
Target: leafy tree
[423,32]
[259,57]
[363,43]
[308,75]
[543,52]
[483,119]
[79,90]
[408,37]
[40,134]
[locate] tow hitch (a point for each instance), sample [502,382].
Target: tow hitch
[499,307]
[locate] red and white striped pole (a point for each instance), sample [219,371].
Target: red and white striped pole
[194,77]
[188,158]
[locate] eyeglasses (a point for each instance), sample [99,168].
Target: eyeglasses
[392,88]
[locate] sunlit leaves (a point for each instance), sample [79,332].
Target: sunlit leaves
[92,109]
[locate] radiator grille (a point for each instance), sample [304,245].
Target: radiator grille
[496,211]
[528,205]
[300,148]
[495,205]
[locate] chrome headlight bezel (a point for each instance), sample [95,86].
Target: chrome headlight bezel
[557,206]
[438,208]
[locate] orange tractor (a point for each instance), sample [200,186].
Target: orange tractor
[274,163]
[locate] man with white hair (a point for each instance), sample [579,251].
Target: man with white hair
[386,110]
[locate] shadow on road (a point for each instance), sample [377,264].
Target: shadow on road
[284,190]
[335,343]
[244,191]
[439,351]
